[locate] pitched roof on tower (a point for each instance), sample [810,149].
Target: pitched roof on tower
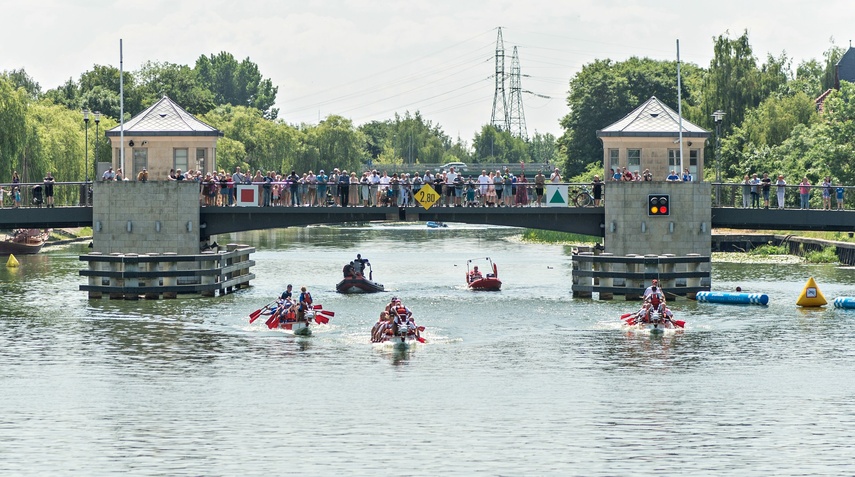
[652,119]
[165,118]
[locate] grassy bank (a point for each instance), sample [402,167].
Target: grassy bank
[549,236]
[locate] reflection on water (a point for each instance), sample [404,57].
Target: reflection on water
[189,386]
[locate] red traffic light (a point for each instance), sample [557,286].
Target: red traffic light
[658,204]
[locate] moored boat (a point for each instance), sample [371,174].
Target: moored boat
[436,225]
[476,281]
[23,242]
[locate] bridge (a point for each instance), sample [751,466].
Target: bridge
[580,220]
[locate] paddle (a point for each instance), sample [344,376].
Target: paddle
[255,314]
[273,321]
[626,315]
[420,339]
[327,312]
[321,319]
[317,307]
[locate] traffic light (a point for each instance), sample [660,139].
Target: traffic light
[658,204]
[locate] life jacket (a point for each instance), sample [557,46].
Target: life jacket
[654,300]
[401,311]
[307,297]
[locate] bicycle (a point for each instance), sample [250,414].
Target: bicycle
[583,197]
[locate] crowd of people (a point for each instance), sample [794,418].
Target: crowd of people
[755,189]
[373,188]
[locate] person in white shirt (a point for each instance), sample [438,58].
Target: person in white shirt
[450,176]
[384,182]
[484,182]
[555,178]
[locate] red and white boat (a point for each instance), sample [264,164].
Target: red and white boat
[285,318]
[652,322]
[476,281]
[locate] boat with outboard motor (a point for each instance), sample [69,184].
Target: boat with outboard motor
[287,316]
[355,281]
[476,281]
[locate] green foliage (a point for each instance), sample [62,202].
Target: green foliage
[604,92]
[495,146]
[550,236]
[238,84]
[13,127]
[826,255]
[769,249]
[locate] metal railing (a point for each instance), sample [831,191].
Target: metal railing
[735,195]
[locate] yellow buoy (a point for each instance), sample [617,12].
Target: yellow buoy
[811,296]
[12,262]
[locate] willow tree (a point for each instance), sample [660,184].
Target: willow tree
[13,133]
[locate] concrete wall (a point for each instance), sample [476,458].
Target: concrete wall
[654,154]
[629,229]
[173,204]
[159,151]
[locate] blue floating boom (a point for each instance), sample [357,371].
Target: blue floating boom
[736,298]
[844,302]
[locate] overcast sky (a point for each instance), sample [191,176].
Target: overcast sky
[368,59]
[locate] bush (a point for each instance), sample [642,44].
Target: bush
[826,255]
[769,249]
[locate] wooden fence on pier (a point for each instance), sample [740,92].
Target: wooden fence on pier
[131,276]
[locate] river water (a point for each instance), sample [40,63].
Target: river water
[527,381]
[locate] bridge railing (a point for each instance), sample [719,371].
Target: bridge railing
[739,195]
[39,194]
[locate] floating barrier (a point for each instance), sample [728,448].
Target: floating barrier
[733,298]
[844,302]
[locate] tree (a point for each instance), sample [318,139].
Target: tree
[178,82]
[733,82]
[604,92]
[21,79]
[238,84]
[13,133]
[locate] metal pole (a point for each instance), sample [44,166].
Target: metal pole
[718,116]
[95,160]
[86,122]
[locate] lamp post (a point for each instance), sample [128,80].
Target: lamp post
[95,160]
[86,121]
[718,115]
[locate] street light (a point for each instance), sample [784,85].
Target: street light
[718,115]
[95,160]
[86,121]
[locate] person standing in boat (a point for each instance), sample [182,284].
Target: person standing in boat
[653,286]
[304,304]
[359,265]
[286,295]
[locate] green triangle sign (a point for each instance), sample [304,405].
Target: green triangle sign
[556,198]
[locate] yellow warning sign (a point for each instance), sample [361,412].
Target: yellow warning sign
[811,296]
[427,196]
